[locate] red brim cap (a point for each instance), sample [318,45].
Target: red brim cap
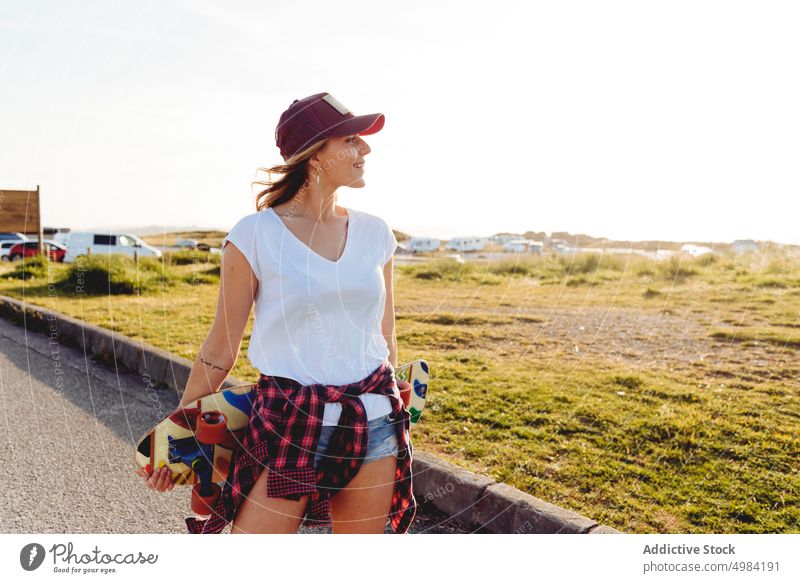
[363,125]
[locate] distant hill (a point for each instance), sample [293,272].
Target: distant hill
[581,240]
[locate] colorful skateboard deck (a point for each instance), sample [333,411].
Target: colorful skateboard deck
[197,441]
[416,374]
[172,441]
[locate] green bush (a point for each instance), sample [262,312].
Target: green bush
[629,381]
[200,278]
[677,267]
[440,269]
[115,274]
[510,267]
[588,263]
[578,264]
[576,281]
[30,268]
[192,256]
[651,292]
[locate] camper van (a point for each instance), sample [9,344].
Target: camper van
[97,243]
[522,246]
[419,244]
[466,244]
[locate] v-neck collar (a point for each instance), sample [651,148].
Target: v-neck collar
[349,236]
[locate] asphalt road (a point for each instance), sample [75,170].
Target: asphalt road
[68,426]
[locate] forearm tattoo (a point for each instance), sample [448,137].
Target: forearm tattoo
[212,365]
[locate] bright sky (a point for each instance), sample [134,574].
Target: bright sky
[640,120]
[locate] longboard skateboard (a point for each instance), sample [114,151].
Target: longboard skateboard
[197,441]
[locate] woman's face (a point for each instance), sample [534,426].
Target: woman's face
[342,162]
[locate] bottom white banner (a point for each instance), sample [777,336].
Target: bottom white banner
[617,557]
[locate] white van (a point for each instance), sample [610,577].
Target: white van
[522,246]
[466,244]
[80,244]
[418,244]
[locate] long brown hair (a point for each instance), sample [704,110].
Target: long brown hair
[294,175]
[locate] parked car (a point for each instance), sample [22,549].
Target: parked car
[104,243]
[416,244]
[187,243]
[55,250]
[13,237]
[5,247]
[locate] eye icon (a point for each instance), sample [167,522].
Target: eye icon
[31,556]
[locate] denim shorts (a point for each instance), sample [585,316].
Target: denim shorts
[382,440]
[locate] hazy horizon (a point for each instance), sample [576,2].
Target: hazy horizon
[625,120]
[153,230]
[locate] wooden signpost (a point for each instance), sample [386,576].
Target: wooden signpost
[20,212]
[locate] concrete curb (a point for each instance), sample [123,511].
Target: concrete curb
[470,500]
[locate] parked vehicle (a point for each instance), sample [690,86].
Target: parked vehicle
[55,250]
[522,246]
[104,243]
[60,237]
[5,247]
[466,244]
[187,243]
[421,244]
[18,237]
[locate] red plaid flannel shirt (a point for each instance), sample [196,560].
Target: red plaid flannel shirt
[282,435]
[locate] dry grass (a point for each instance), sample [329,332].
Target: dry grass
[653,397]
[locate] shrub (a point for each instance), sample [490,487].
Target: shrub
[774,282]
[576,281]
[201,278]
[650,292]
[192,256]
[441,269]
[589,263]
[30,268]
[509,267]
[676,268]
[115,274]
[629,381]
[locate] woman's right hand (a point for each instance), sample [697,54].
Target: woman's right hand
[160,480]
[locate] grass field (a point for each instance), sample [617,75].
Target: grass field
[649,396]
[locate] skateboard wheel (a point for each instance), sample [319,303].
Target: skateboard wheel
[212,428]
[203,505]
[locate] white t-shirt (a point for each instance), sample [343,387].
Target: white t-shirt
[316,320]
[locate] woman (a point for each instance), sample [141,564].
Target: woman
[323,338]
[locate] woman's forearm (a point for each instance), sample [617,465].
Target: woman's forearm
[209,371]
[391,342]
[238,286]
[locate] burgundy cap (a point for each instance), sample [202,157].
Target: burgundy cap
[318,117]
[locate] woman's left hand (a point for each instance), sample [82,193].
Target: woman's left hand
[405,392]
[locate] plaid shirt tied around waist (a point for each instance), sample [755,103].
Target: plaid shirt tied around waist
[282,435]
